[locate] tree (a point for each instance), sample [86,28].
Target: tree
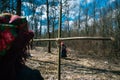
[4,5]
[94,19]
[68,25]
[48,28]
[79,20]
[40,29]
[18,9]
[86,18]
[117,31]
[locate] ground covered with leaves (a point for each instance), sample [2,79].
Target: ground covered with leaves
[75,67]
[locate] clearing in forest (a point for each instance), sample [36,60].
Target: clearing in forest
[75,67]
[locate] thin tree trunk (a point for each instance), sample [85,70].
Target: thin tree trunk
[18,9]
[49,43]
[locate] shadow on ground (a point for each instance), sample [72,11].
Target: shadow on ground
[87,70]
[80,68]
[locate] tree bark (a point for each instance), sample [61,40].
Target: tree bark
[48,31]
[18,9]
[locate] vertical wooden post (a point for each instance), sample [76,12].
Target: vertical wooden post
[59,61]
[59,47]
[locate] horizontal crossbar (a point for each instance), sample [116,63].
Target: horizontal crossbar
[75,38]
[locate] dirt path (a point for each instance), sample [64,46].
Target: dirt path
[74,67]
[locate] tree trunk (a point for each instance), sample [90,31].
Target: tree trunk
[18,9]
[49,42]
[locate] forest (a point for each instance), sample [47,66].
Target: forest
[96,18]
[79,18]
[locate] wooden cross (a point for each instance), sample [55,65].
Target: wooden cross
[58,40]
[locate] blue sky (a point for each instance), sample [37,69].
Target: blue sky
[102,4]
[74,8]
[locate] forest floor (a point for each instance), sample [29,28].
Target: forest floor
[75,67]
